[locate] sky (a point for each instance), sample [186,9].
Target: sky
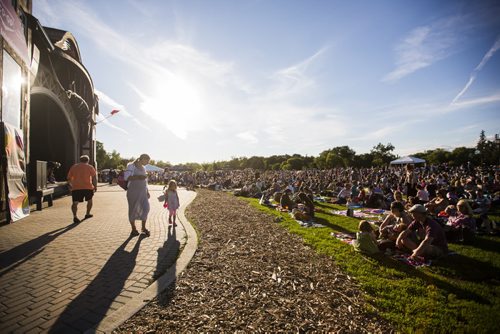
[202,81]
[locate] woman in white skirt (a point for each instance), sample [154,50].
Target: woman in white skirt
[137,193]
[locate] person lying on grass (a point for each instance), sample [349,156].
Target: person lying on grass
[424,237]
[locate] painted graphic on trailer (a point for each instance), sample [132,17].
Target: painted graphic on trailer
[16,173]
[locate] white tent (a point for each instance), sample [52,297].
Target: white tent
[152,168]
[407,160]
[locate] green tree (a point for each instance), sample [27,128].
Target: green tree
[101,156]
[382,154]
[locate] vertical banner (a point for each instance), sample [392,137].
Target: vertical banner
[16,173]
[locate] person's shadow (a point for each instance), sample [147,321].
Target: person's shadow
[92,304]
[18,255]
[167,256]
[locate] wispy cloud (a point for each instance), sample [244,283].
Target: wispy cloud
[475,101]
[112,104]
[494,48]
[424,46]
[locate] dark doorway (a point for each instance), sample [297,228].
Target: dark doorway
[51,137]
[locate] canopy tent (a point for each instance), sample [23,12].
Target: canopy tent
[407,160]
[152,168]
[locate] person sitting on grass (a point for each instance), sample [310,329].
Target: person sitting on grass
[397,215]
[461,225]
[395,223]
[398,197]
[308,204]
[366,241]
[285,200]
[424,237]
[438,203]
[342,196]
[422,194]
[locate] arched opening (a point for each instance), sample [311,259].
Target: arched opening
[51,135]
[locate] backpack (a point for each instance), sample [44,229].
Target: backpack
[121,180]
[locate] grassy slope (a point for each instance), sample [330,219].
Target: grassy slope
[458,294]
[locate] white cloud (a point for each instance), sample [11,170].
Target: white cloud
[424,46]
[494,48]
[112,105]
[475,101]
[249,137]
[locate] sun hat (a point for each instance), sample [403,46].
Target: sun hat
[418,208]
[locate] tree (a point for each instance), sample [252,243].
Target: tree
[100,155]
[382,154]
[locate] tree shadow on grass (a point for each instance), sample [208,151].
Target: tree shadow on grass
[335,227]
[487,243]
[465,268]
[461,293]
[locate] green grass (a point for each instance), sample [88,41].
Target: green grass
[458,294]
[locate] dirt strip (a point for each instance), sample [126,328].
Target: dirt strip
[250,275]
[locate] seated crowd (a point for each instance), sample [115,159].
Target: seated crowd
[439,207]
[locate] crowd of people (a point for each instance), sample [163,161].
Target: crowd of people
[427,206]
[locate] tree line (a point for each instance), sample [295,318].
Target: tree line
[486,152]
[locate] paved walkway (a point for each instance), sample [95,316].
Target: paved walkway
[62,277]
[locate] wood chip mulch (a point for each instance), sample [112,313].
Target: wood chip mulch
[251,275]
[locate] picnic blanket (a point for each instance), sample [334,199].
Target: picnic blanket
[406,258]
[362,214]
[344,237]
[309,223]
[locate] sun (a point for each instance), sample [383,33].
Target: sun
[176,104]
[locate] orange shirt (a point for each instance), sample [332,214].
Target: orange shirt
[80,176]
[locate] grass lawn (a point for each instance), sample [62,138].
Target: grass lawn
[458,294]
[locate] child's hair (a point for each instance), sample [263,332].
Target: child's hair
[172,185]
[364,226]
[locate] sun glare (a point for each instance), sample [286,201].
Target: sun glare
[176,104]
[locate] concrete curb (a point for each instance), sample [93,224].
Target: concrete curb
[109,323]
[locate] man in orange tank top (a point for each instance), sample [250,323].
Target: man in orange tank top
[82,179]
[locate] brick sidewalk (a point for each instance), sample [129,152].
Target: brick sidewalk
[65,277]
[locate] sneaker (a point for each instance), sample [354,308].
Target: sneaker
[76,220]
[88,216]
[134,233]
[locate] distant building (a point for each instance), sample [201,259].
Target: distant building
[48,102]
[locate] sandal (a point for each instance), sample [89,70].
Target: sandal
[145,232]
[134,233]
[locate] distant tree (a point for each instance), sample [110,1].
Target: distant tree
[461,155]
[101,155]
[438,156]
[363,160]
[256,163]
[294,163]
[382,154]
[345,153]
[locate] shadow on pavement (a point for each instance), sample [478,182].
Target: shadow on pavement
[14,257]
[166,258]
[92,304]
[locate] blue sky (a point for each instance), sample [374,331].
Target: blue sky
[200,81]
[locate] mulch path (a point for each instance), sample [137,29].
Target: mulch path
[251,275]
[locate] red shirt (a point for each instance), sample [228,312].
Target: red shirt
[80,176]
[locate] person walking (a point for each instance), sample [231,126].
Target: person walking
[172,202]
[82,181]
[137,193]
